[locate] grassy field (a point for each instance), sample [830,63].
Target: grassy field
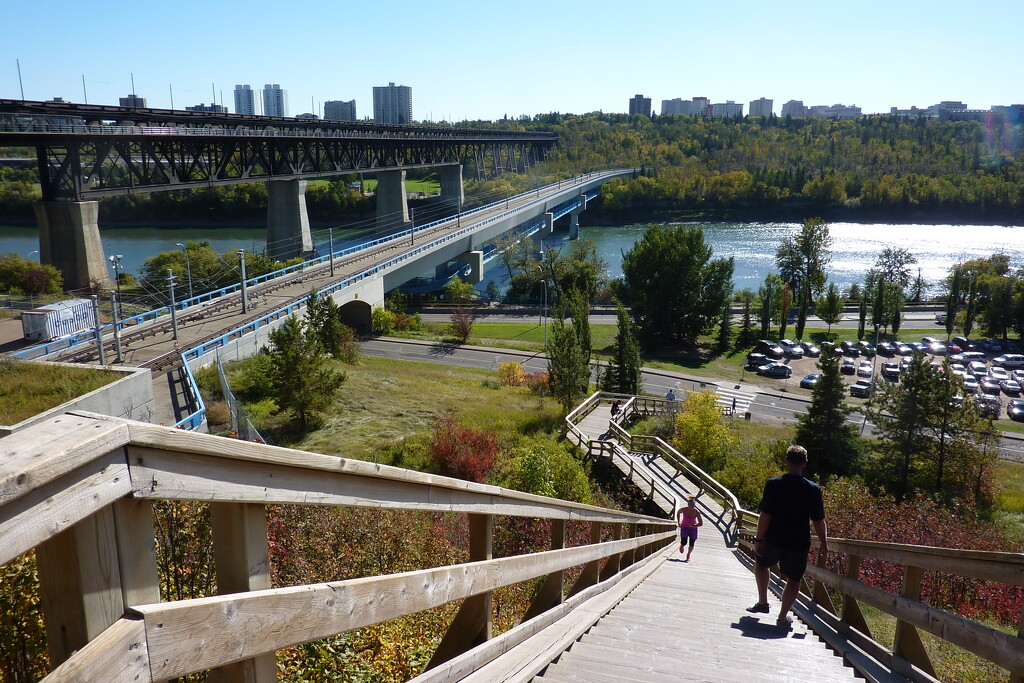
[27,389]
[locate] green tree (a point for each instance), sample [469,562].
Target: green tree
[771,302]
[700,431]
[746,335]
[830,306]
[823,430]
[568,353]
[953,299]
[802,260]
[675,287]
[302,383]
[725,328]
[862,315]
[624,374]
[457,291]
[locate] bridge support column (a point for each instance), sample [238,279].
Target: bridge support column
[69,239]
[549,224]
[475,259]
[392,207]
[287,221]
[452,193]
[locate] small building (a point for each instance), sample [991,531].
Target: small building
[639,104]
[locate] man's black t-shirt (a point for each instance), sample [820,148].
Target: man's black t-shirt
[793,502]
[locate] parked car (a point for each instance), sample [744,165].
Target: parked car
[905,349]
[937,349]
[769,348]
[810,380]
[810,350]
[866,347]
[904,364]
[1015,410]
[971,384]
[928,341]
[977,368]
[849,348]
[886,349]
[971,356]
[952,349]
[989,406]
[1009,360]
[964,343]
[756,360]
[993,345]
[1017,375]
[990,386]
[891,370]
[792,349]
[777,370]
[1010,387]
[849,366]
[862,388]
[864,369]
[998,374]
[918,347]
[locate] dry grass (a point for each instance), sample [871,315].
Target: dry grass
[28,388]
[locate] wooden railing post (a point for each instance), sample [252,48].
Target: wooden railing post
[611,566]
[1018,676]
[591,572]
[80,583]
[907,643]
[472,624]
[629,556]
[851,610]
[243,564]
[550,593]
[821,595]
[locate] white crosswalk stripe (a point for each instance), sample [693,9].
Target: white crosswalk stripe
[737,400]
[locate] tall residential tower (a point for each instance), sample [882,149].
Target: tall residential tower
[275,100]
[392,103]
[245,101]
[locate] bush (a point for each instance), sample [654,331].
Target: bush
[252,380]
[539,383]
[461,452]
[217,413]
[407,323]
[547,469]
[383,321]
[511,374]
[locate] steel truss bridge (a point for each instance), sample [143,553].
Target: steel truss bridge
[88,151]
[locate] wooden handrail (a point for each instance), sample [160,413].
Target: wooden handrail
[78,490]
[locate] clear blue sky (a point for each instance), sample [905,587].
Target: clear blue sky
[478,59]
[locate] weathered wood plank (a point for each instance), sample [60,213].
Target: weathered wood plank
[45,452]
[160,474]
[118,655]
[193,635]
[136,551]
[57,505]
[979,564]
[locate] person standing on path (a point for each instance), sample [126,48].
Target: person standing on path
[688,519]
[789,505]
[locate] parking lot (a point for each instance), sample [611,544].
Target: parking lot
[973,361]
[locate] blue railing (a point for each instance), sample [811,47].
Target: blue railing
[196,419]
[193,421]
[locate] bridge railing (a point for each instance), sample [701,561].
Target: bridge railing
[79,491]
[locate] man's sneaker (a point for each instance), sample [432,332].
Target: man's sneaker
[784,621]
[760,607]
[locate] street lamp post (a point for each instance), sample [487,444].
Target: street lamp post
[188,268]
[115,263]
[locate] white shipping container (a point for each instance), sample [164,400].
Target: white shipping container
[58,320]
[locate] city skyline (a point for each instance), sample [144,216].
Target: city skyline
[877,55]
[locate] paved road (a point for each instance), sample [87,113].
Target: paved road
[765,404]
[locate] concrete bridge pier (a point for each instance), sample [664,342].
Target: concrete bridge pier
[452,192]
[475,259]
[287,221]
[549,225]
[392,206]
[574,218]
[69,239]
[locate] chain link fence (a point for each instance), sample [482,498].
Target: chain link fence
[240,423]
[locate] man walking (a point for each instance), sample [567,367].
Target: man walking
[789,505]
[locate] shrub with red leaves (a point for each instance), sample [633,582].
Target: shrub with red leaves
[854,513]
[459,451]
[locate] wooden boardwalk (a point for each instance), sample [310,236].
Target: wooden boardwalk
[688,621]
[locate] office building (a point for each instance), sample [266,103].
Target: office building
[761,107]
[340,110]
[794,108]
[133,101]
[392,104]
[275,100]
[245,100]
[214,108]
[639,104]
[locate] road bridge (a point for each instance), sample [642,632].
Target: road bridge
[90,151]
[79,491]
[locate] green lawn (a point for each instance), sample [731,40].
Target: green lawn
[427,186]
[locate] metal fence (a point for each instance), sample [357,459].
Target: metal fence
[240,423]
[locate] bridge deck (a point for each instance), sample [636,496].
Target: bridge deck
[688,621]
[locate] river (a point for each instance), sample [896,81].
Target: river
[855,246]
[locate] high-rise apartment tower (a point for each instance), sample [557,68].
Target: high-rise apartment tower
[340,110]
[639,104]
[275,100]
[245,101]
[392,103]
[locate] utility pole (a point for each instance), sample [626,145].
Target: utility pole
[412,228]
[174,313]
[117,327]
[99,336]
[330,239]
[245,292]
